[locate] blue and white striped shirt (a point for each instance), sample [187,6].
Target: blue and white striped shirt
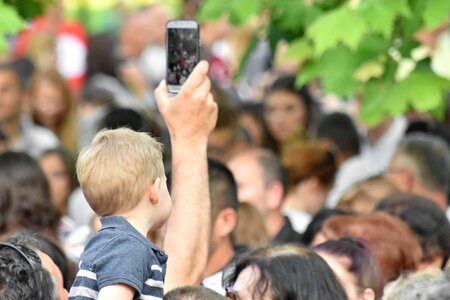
[119,254]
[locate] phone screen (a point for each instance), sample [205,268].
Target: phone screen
[182,54]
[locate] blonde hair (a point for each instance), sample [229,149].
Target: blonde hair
[117,167]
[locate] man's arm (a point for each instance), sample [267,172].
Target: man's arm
[190,117]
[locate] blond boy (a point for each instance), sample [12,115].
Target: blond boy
[122,176]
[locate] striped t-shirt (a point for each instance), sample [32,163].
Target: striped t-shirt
[119,254]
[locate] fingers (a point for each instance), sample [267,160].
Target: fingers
[202,91]
[197,76]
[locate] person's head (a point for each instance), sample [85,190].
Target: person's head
[363,197]
[101,57]
[286,109]
[251,120]
[224,203]
[415,285]
[339,129]
[11,94]
[50,99]
[355,267]
[227,138]
[427,221]
[391,241]
[42,50]
[421,166]
[316,223]
[135,120]
[260,179]
[284,272]
[25,201]
[193,292]
[59,168]
[122,169]
[250,229]
[28,273]
[310,169]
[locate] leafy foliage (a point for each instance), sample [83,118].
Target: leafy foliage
[12,15]
[356,47]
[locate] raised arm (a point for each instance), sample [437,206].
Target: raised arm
[190,117]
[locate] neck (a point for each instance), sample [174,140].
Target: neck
[311,204]
[274,222]
[219,257]
[12,130]
[139,218]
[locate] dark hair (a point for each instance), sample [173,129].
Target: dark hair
[25,196]
[69,162]
[228,115]
[341,131]
[222,187]
[18,274]
[362,263]
[317,221]
[287,83]
[431,156]
[428,221]
[126,117]
[193,292]
[290,272]
[101,55]
[23,69]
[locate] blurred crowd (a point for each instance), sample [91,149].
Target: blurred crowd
[307,200]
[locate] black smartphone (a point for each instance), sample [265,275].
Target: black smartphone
[183,51]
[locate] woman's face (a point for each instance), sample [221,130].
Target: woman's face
[340,267]
[48,104]
[58,178]
[284,113]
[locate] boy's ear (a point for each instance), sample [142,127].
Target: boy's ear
[154,190]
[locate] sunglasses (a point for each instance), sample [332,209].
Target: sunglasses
[40,276]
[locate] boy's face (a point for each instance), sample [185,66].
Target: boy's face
[164,205]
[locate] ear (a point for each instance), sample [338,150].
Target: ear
[153,191]
[368,294]
[225,222]
[274,195]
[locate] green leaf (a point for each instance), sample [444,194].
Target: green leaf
[436,12]
[243,10]
[426,90]
[10,21]
[299,50]
[29,9]
[341,25]
[335,68]
[293,15]
[373,108]
[212,10]
[381,14]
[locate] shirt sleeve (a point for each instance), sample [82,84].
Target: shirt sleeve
[122,261]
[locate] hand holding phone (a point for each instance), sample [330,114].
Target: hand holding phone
[183,52]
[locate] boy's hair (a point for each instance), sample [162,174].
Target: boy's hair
[117,167]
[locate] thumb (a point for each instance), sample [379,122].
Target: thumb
[161,93]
